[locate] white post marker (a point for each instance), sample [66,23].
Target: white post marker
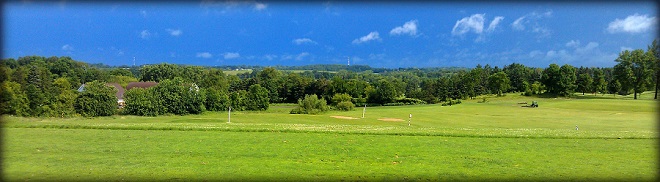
[409,119]
[229,119]
[364,110]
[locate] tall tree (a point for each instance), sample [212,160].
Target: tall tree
[584,83]
[257,98]
[384,92]
[499,83]
[634,70]
[567,80]
[518,75]
[269,79]
[598,84]
[654,51]
[550,78]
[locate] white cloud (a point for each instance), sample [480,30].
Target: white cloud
[371,36]
[535,53]
[260,6]
[474,23]
[67,47]
[518,24]
[231,6]
[175,33]
[542,32]
[204,55]
[145,34]
[409,27]
[301,56]
[589,47]
[494,23]
[588,55]
[303,41]
[573,43]
[231,55]
[535,21]
[632,24]
[270,57]
[286,57]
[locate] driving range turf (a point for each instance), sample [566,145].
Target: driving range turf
[497,140]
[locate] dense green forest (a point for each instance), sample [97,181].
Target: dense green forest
[48,86]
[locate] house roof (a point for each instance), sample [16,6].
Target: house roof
[120,90]
[140,85]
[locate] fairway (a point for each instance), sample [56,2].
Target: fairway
[496,140]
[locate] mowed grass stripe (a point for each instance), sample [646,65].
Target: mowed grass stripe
[66,154]
[501,117]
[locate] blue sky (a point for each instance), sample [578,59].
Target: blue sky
[385,34]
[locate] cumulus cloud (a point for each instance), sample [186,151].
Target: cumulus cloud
[145,34]
[632,24]
[371,36]
[260,6]
[494,23]
[67,47]
[475,23]
[175,33]
[231,55]
[204,55]
[303,41]
[409,27]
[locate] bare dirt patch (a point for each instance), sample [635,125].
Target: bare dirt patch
[343,117]
[390,119]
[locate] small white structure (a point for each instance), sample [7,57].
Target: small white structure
[364,110]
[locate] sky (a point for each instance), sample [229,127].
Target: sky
[378,34]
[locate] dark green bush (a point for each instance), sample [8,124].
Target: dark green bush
[345,106]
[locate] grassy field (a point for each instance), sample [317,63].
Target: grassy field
[497,140]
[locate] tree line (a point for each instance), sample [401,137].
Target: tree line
[47,87]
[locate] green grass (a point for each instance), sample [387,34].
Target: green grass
[499,139]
